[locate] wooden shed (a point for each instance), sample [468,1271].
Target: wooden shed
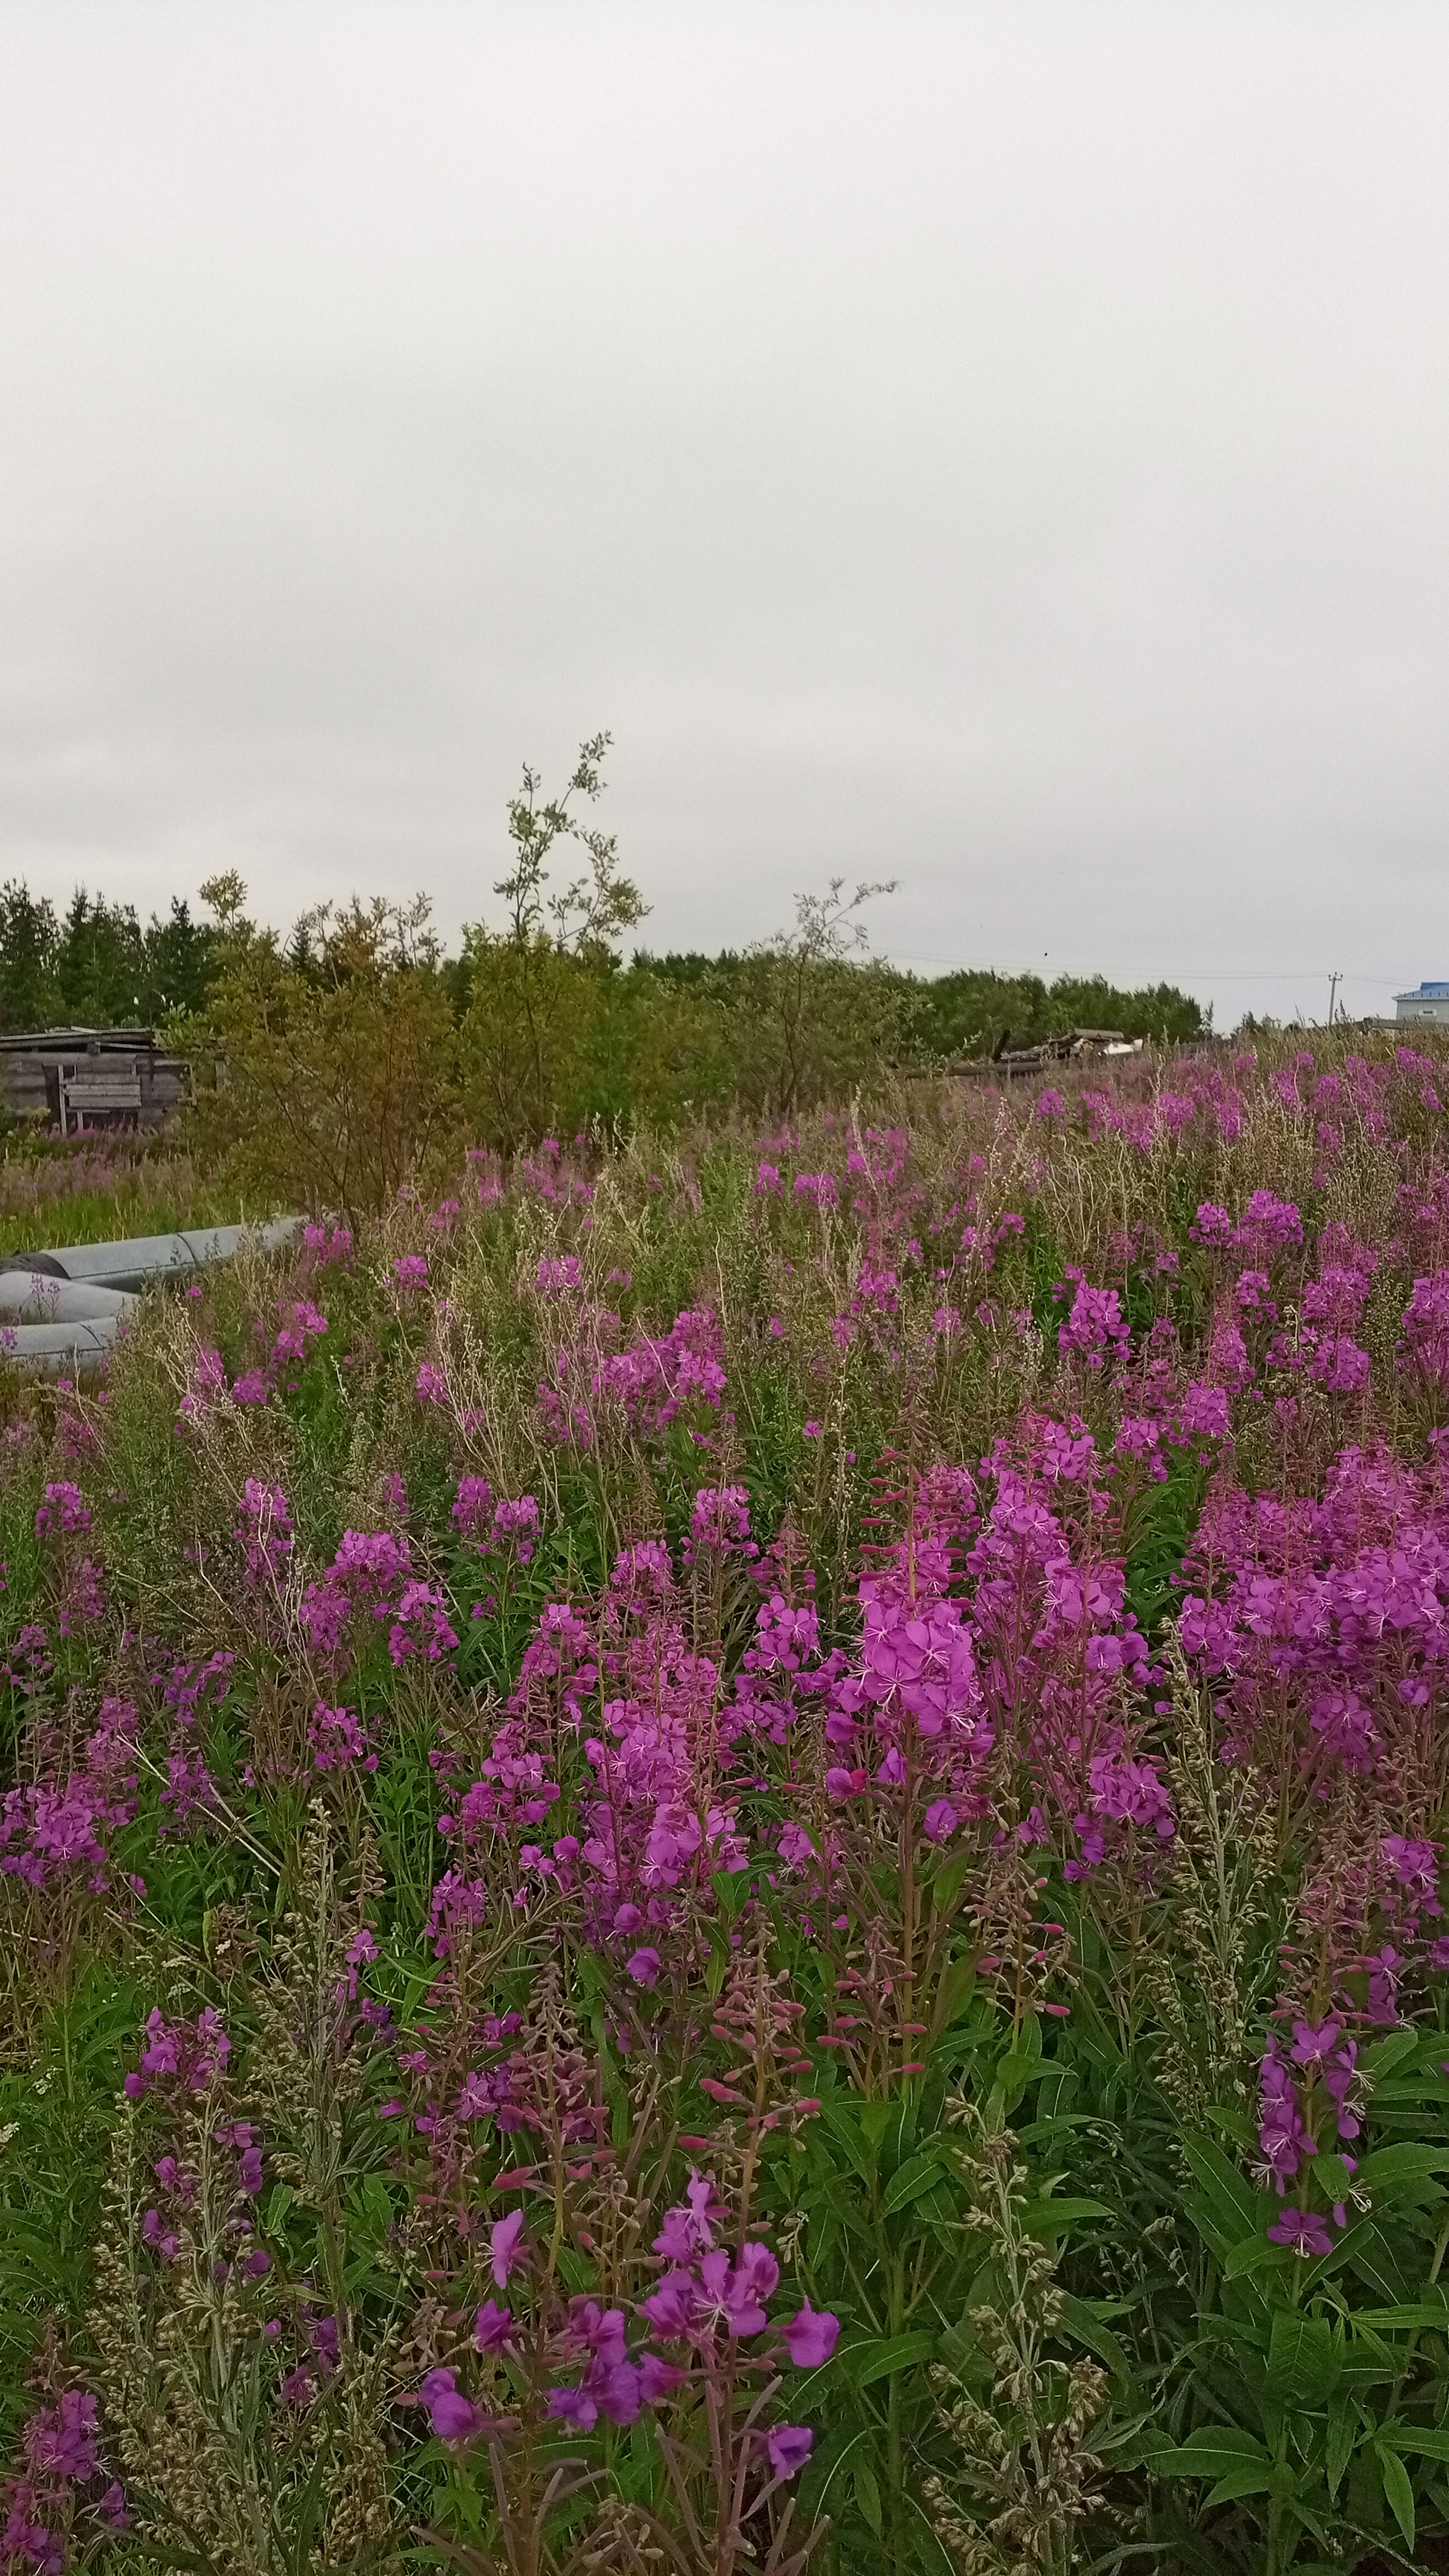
[91,1079]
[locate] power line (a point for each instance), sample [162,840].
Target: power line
[1195,974]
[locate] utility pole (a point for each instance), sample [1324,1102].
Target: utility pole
[1333,985]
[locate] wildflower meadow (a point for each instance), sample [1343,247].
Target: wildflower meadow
[726,1856]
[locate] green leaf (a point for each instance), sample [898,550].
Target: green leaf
[1332,2177]
[1048,2217]
[1044,2132]
[1342,2435]
[372,2210]
[1387,2053]
[1218,2237]
[847,2205]
[731,1888]
[1245,2481]
[1398,2488]
[1079,2321]
[839,2118]
[1038,2133]
[1060,2086]
[881,2359]
[1213,2451]
[1424,2441]
[1419,2314]
[362,2276]
[948,1881]
[913,2178]
[867,2495]
[1013,2074]
[1368,2252]
[1253,2254]
[955,1986]
[1303,2360]
[1231,2196]
[279,2201]
[1405,2163]
[875,2118]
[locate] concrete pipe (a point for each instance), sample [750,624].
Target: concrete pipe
[59,1350]
[60,1312]
[148,1257]
[29,1297]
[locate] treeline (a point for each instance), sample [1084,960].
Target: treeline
[975,1012]
[355,1048]
[96,966]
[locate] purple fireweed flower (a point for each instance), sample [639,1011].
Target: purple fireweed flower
[473,1505]
[505,2243]
[732,2293]
[720,1521]
[492,2326]
[1314,2044]
[687,2230]
[611,2383]
[515,1523]
[194,2056]
[454,2417]
[789,2447]
[1096,1328]
[63,1511]
[672,2308]
[811,2336]
[1415,1866]
[1283,2139]
[338,1737]
[575,2406]
[61,2441]
[841,1784]
[1303,2231]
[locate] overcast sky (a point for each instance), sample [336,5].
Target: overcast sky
[1002,447]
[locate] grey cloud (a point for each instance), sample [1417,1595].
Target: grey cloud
[997,447]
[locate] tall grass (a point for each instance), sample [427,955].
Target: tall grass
[98,1189]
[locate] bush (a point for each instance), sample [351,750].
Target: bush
[325,1076]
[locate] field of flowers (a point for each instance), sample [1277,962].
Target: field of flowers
[715,1860]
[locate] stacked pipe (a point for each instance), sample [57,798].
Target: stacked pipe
[60,1312]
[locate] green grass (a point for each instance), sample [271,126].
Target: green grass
[47,1203]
